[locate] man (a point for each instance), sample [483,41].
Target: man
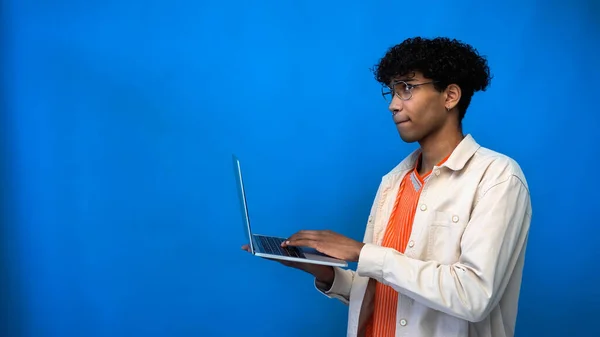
[444,246]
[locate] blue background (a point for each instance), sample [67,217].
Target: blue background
[119,213]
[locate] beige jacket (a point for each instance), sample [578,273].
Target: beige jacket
[461,272]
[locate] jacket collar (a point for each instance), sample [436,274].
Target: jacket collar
[462,154]
[456,162]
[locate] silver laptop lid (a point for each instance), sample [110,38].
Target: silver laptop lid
[242,198]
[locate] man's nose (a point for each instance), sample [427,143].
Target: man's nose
[396,104]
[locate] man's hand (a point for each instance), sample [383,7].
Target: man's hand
[324,274]
[327,242]
[293,264]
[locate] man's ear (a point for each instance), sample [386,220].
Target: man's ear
[453,93]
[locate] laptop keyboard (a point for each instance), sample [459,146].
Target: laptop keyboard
[272,245]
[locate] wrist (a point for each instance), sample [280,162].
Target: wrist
[359,248]
[323,274]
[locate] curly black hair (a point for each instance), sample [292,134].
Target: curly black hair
[447,61]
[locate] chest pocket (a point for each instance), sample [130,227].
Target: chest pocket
[445,233]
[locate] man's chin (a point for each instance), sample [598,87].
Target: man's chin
[408,138]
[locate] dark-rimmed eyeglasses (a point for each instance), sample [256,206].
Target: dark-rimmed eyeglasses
[401,89]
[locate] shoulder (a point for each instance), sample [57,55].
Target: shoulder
[496,168]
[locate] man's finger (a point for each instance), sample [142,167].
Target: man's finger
[312,232]
[299,237]
[306,234]
[301,242]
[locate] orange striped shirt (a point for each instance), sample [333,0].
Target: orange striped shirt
[397,234]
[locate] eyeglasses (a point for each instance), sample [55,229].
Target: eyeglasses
[401,89]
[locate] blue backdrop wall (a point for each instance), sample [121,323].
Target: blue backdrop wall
[119,213]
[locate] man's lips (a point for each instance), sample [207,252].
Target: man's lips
[401,120]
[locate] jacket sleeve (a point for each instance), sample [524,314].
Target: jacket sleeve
[343,279]
[342,284]
[491,244]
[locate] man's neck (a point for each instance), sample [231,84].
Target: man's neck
[436,147]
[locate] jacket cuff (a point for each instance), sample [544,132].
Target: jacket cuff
[342,283]
[371,261]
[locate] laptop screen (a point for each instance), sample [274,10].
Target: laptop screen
[237,168]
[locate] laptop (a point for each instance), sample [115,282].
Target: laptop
[270,246]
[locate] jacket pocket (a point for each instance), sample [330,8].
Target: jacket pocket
[445,232]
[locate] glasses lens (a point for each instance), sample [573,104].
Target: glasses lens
[401,89]
[387,94]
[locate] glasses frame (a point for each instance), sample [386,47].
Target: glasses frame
[386,90]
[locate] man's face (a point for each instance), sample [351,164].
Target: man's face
[423,113]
